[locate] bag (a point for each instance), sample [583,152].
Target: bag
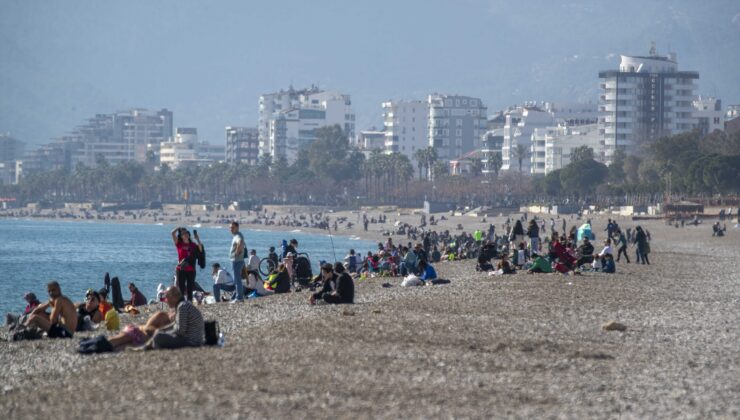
[212,332]
[201,257]
[98,344]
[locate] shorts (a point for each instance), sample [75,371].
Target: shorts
[135,334]
[58,331]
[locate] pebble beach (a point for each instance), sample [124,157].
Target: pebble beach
[479,347]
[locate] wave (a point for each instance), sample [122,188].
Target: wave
[296,230]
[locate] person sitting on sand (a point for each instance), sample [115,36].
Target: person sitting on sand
[88,314]
[427,271]
[338,286]
[351,261]
[32,302]
[608,265]
[63,319]
[505,265]
[186,331]
[607,248]
[104,306]
[586,252]
[137,298]
[409,263]
[278,281]
[222,281]
[539,265]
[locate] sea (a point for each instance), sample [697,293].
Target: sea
[78,254]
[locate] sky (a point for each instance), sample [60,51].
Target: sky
[62,62]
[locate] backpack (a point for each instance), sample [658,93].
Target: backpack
[212,331]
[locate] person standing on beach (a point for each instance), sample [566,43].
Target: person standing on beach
[186,256]
[236,255]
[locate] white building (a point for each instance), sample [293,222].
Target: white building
[405,125]
[520,125]
[456,124]
[288,119]
[708,114]
[186,149]
[645,99]
[492,144]
[562,140]
[369,140]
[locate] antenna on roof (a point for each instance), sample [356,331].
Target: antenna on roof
[653,51]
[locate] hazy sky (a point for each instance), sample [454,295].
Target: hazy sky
[208,61]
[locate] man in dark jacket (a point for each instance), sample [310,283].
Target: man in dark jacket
[338,286]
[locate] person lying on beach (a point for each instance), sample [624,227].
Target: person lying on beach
[63,319]
[138,335]
[338,286]
[182,327]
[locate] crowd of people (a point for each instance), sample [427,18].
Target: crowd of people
[543,246]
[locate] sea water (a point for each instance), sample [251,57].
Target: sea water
[79,253]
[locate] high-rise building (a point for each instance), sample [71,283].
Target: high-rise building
[456,124]
[646,98]
[11,149]
[405,126]
[521,123]
[242,145]
[492,144]
[288,120]
[120,137]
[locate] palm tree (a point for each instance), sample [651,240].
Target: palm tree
[520,153]
[420,155]
[432,156]
[495,162]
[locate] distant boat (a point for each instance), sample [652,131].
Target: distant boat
[196,225]
[160,224]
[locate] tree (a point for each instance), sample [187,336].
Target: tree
[420,155]
[476,167]
[520,153]
[550,184]
[495,162]
[583,176]
[616,169]
[581,153]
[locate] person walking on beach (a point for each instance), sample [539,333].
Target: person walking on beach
[186,254]
[236,255]
[622,246]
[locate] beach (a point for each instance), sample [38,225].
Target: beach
[481,346]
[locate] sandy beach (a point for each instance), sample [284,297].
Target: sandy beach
[481,346]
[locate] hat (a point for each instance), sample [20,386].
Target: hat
[30,296]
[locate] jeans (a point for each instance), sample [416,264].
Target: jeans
[186,283]
[534,243]
[237,270]
[217,288]
[168,340]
